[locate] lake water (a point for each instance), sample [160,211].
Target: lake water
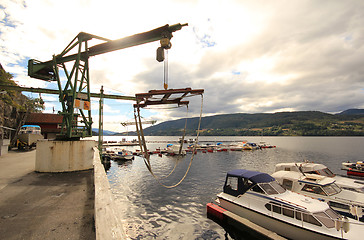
[153,212]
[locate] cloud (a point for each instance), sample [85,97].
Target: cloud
[249,56]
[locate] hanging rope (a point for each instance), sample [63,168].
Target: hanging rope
[184,133]
[145,154]
[165,79]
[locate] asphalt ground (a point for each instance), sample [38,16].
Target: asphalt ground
[44,205]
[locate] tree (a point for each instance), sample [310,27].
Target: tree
[16,99]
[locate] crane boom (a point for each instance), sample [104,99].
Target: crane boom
[75,95]
[44,70]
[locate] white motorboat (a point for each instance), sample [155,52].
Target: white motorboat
[320,169]
[353,169]
[173,150]
[245,145]
[119,154]
[346,202]
[28,136]
[259,198]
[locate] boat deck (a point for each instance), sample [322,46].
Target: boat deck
[44,205]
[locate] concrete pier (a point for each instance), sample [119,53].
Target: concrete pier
[64,156]
[44,205]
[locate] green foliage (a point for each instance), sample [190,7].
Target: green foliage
[16,99]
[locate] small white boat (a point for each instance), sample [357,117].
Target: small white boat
[259,198]
[346,202]
[119,154]
[28,136]
[173,150]
[250,146]
[353,169]
[245,145]
[320,169]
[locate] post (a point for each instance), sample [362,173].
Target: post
[101,112]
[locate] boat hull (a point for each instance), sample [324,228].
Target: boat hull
[280,227]
[355,173]
[123,158]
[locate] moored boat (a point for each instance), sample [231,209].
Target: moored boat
[320,169]
[173,150]
[119,154]
[245,145]
[259,198]
[346,202]
[354,169]
[265,145]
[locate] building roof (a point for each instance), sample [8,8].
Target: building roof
[48,118]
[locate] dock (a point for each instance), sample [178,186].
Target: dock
[63,205]
[44,205]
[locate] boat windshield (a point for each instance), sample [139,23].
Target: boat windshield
[328,218]
[272,188]
[314,189]
[332,189]
[326,172]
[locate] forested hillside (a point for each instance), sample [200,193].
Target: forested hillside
[305,123]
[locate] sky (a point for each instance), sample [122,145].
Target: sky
[260,56]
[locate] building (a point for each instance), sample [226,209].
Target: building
[50,123]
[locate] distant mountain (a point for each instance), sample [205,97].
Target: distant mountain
[303,123]
[106,132]
[352,111]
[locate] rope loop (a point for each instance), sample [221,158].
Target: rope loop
[143,147]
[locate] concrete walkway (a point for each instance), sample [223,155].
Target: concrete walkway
[44,205]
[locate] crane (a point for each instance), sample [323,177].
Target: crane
[75,96]
[133,123]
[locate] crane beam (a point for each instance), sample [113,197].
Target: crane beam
[44,70]
[53,91]
[75,95]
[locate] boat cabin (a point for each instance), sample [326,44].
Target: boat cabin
[239,181]
[306,167]
[310,183]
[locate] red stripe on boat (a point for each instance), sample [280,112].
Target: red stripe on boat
[215,211]
[353,173]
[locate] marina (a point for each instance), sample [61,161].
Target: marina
[150,210]
[250,127]
[143,207]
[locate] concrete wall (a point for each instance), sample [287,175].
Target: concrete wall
[64,156]
[108,218]
[4,145]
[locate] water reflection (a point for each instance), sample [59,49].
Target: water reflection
[107,164]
